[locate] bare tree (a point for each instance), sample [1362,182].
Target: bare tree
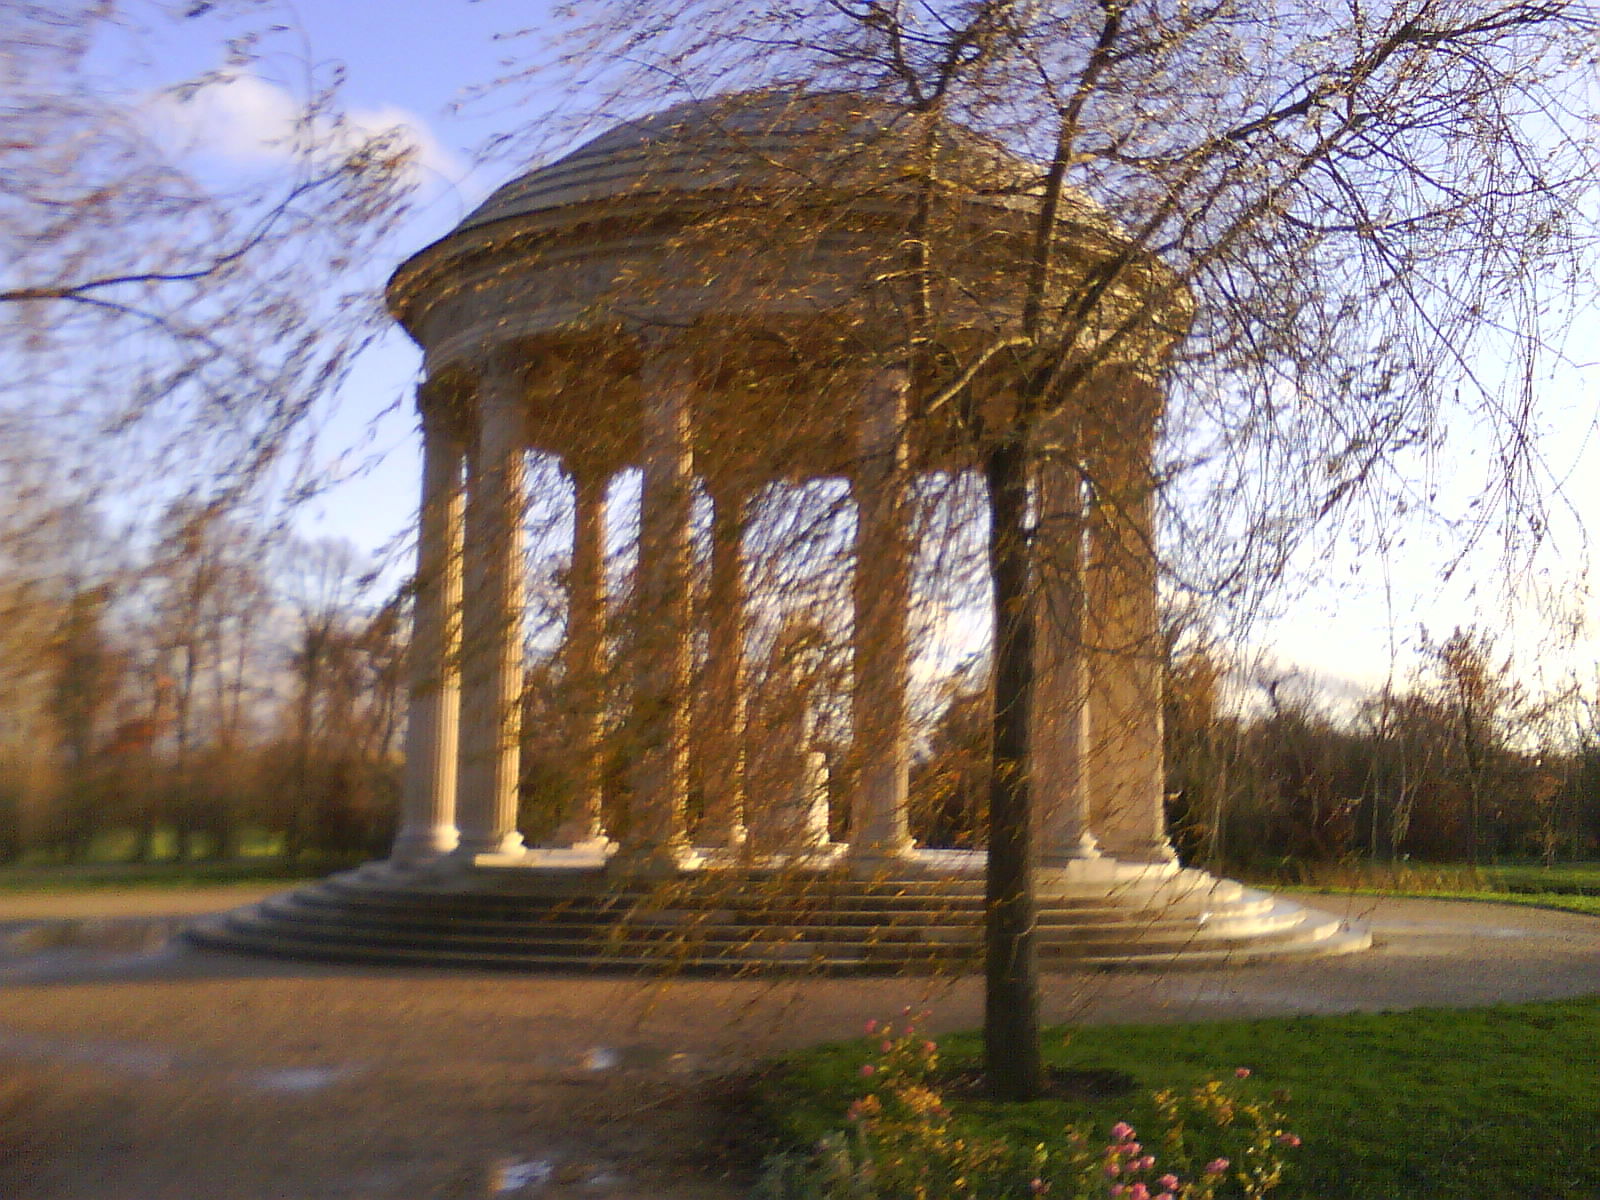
[172,307]
[1493,725]
[159,303]
[1315,217]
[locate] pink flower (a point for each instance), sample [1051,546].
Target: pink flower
[929,1047]
[1130,1148]
[1122,1131]
[1216,1166]
[1145,1163]
[1165,1196]
[1288,1139]
[1039,1187]
[886,1046]
[1242,1072]
[1113,1169]
[872,1027]
[1168,1182]
[1118,1188]
[1138,1192]
[867,1069]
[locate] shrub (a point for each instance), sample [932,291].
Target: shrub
[901,1141]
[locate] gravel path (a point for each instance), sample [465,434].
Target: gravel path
[138,1070]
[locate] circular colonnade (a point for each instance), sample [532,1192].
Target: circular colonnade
[718,296]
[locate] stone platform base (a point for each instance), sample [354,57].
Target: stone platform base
[565,909]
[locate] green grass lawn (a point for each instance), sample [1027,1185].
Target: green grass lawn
[1562,901]
[103,876]
[1471,1104]
[1417,878]
[1572,887]
[1563,877]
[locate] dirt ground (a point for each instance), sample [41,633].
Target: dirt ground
[137,1069]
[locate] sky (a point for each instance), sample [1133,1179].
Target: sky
[1360,597]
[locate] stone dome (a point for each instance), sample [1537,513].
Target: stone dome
[757,141]
[783,204]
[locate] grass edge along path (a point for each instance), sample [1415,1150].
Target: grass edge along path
[1573,902]
[1427,1104]
[174,876]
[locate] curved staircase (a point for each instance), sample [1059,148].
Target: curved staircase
[737,919]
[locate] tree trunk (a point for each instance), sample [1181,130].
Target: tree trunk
[1011,998]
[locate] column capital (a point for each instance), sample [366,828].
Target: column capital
[442,412]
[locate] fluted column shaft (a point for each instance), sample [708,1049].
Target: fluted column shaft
[881,589]
[428,790]
[1126,771]
[491,622]
[657,839]
[723,767]
[584,661]
[1059,729]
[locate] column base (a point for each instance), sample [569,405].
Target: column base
[492,851]
[412,846]
[580,831]
[736,840]
[1085,849]
[864,861]
[654,861]
[1157,851]
[597,843]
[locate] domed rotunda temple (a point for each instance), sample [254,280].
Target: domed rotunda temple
[730,302]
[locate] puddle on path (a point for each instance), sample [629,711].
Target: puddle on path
[150,1062]
[297,1080]
[510,1175]
[635,1057]
[598,1058]
[115,935]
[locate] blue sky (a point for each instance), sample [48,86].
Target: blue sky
[1359,615]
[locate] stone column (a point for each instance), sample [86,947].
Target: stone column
[428,790]
[657,841]
[727,710]
[1126,772]
[1059,728]
[491,623]
[584,662]
[882,588]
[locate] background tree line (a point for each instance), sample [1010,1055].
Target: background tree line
[1457,762]
[222,689]
[217,691]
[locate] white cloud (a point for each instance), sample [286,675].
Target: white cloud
[247,119]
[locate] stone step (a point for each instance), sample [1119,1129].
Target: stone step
[309,908]
[739,895]
[331,926]
[929,915]
[738,921]
[490,888]
[1258,915]
[828,958]
[722,942]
